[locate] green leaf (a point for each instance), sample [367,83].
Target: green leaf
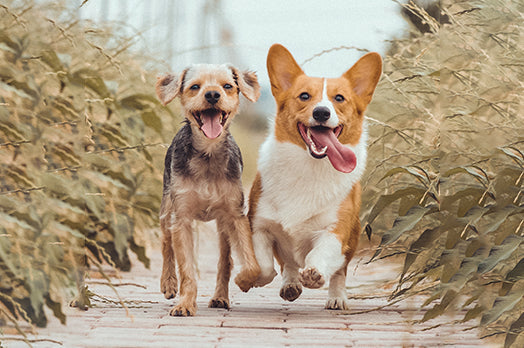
[515,154]
[50,58]
[475,171]
[385,200]
[473,313]
[502,305]
[92,80]
[500,216]
[56,307]
[516,328]
[405,223]
[152,120]
[423,242]
[140,102]
[517,273]
[500,253]
[439,308]
[419,173]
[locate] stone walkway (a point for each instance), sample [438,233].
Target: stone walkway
[258,318]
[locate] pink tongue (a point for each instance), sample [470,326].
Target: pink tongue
[211,124]
[342,158]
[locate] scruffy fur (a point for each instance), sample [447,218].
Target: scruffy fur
[202,181]
[305,201]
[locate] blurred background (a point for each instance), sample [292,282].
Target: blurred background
[83,138]
[179,33]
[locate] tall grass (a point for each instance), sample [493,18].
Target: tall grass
[446,169]
[81,149]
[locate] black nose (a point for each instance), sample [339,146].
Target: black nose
[212,97]
[321,113]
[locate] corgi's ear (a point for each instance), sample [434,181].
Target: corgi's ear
[247,82]
[364,76]
[169,86]
[282,69]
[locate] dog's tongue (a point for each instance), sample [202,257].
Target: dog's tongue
[211,124]
[341,158]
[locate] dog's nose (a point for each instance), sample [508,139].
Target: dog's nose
[321,113]
[212,97]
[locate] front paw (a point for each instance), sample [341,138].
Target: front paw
[169,286]
[181,310]
[265,278]
[219,302]
[291,291]
[337,303]
[246,279]
[311,278]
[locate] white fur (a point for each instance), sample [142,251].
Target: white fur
[298,205]
[333,120]
[323,256]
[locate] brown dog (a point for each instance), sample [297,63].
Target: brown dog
[305,201]
[202,181]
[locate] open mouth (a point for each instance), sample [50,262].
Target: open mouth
[323,141]
[211,121]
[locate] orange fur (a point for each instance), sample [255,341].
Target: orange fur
[346,98]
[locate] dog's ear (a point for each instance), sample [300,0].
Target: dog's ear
[168,87]
[282,68]
[247,82]
[364,76]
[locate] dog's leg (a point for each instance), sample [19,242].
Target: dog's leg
[337,296]
[241,236]
[168,280]
[182,238]
[225,264]
[291,287]
[263,245]
[322,261]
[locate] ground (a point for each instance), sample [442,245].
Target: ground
[259,318]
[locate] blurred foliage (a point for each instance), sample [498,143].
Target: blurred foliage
[446,164]
[81,148]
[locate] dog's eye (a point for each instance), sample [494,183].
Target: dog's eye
[194,87]
[304,96]
[227,86]
[339,98]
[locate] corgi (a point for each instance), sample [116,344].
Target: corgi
[305,200]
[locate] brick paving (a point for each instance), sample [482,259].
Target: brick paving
[259,318]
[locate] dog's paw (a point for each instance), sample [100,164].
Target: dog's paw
[219,302]
[337,303]
[181,310]
[291,291]
[246,279]
[311,278]
[169,286]
[264,279]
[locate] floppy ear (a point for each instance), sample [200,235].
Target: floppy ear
[168,87]
[364,75]
[247,83]
[282,68]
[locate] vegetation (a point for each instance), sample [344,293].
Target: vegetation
[446,169]
[82,142]
[81,149]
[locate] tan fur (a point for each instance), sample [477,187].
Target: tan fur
[208,192]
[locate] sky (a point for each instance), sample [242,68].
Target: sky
[179,33]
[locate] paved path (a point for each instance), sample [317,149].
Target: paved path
[257,318]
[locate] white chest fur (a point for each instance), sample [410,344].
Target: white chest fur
[298,189]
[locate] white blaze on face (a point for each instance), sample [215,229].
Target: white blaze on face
[333,120]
